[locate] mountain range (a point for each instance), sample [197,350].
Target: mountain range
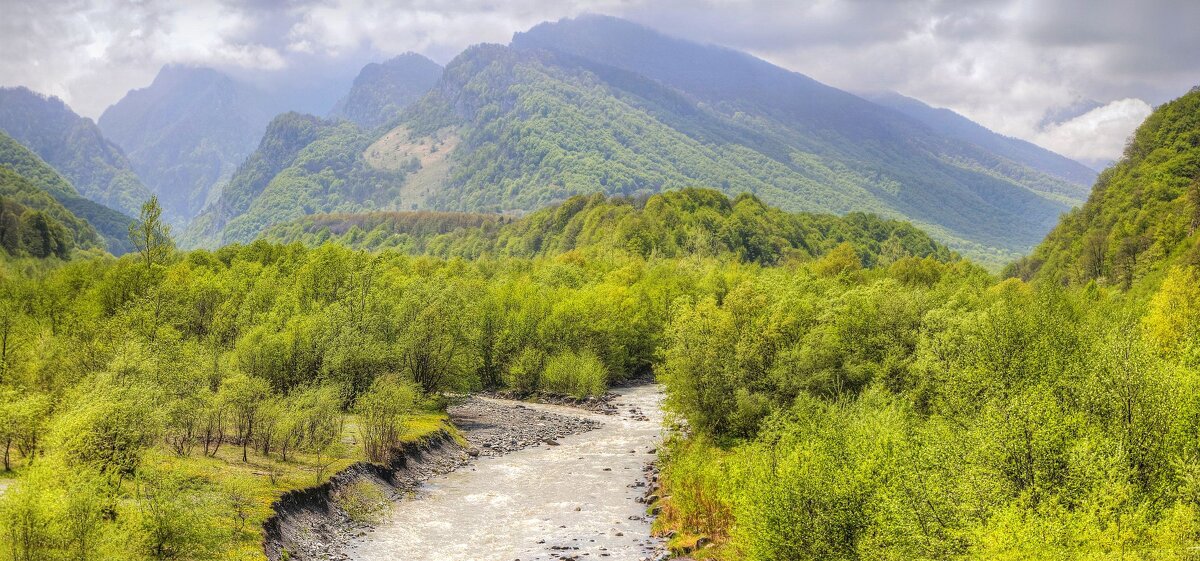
[587,105]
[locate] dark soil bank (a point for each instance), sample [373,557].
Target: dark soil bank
[309,524]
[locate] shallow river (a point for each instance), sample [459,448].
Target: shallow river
[525,504]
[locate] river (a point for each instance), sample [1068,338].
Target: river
[574,500]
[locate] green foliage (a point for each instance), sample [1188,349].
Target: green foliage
[695,222]
[381,411]
[303,165]
[578,375]
[1141,217]
[36,185]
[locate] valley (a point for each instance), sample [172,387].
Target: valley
[605,289]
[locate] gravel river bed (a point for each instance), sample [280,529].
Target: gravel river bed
[569,497]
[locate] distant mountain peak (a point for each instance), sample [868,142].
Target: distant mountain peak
[383,89]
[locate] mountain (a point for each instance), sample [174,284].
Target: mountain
[186,133]
[598,104]
[960,191]
[382,90]
[953,125]
[700,222]
[1143,214]
[304,164]
[93,224]
[33,221]
[74,146]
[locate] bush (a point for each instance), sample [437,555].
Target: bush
[382,410]
[524,374]
[578,375]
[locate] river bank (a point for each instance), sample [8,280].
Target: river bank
[573,498]
[318,523]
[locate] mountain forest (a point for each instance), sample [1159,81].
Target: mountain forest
[881,331]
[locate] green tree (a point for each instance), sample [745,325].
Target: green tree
[382,411]
[151,236]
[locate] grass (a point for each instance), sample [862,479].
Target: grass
[247,489]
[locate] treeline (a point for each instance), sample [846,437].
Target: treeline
[688,222]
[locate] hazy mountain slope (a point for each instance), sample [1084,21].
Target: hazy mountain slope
[382,90]
[303,165]
[938,181]
[953,125]
[73,146]
[187,132]
[110,224]
[537,127]
[1143,213]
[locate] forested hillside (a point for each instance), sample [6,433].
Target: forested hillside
[676,224]
[1142,216]
[33,224]
[73,146]
[382,90]
[303,165]
[187,132]
[958,191]
[35,174]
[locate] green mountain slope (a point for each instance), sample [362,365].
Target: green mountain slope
[33,222]
[1143,213]
[186,133]
[303,165]
[957,190]
[537,127]
[382,90]
[569,110]
[1078,176]
[73,146]
[688,222]
[87,218]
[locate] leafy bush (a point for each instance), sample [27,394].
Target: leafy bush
[381,411]
[578,375]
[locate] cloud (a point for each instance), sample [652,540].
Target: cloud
[1020,67]
[1099,134]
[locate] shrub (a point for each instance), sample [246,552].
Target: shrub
[382,410]
[524,374]
[575,374]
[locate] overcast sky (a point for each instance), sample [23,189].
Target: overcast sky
[1075,76]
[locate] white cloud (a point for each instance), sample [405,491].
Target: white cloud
[1099,134]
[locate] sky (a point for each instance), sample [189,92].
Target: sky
[1075,76]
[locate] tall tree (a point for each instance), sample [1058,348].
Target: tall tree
[150,235]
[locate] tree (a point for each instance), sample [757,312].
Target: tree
[382,410]
[151,236]
[244,396]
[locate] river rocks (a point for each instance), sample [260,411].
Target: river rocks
[496,428]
